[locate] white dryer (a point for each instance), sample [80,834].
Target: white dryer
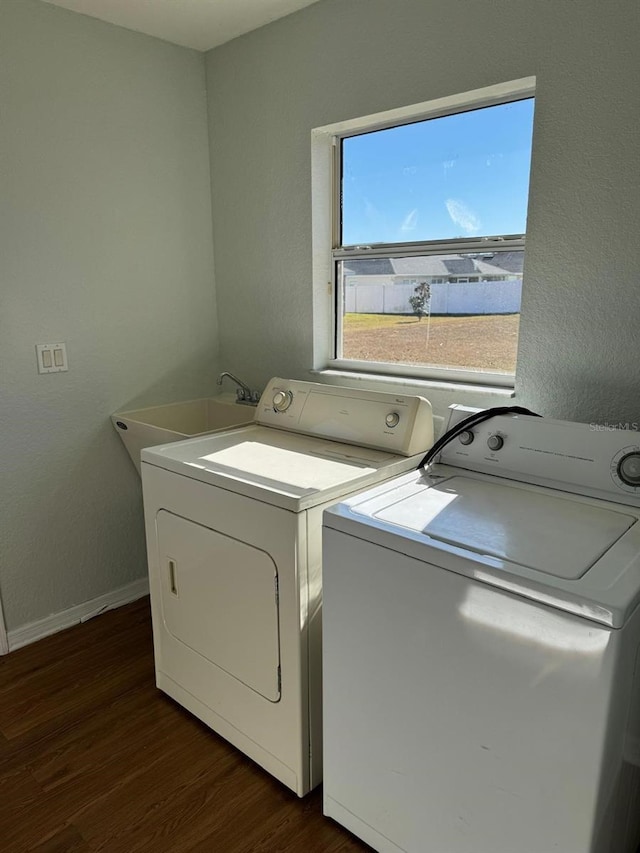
[233,524]
[481,647]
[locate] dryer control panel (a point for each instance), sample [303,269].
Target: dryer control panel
[398,423]
[596,460]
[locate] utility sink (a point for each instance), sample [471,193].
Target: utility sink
[177,421]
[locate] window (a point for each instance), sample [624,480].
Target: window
[429,220]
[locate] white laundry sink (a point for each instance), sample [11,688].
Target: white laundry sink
[176,421]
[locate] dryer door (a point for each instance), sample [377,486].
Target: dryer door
[220,598]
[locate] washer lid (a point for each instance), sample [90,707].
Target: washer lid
[554,535]
[574,553]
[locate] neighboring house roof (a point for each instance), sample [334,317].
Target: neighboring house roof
[509,261]
[442,266]
[369,266]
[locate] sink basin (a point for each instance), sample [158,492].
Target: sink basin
[177,421]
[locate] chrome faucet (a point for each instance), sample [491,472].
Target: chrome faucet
[244,394]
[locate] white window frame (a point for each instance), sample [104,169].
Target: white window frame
[327,319]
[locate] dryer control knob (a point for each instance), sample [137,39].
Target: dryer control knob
[282,400]
[392,419]
[629,469]
[495,442]
[466,437]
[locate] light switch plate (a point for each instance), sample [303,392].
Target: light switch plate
[52,358]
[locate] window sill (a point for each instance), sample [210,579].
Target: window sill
[425,385]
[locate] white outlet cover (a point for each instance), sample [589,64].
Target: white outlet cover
[52,358]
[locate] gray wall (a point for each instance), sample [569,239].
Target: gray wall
[105,243]
[105,232]
[340,59]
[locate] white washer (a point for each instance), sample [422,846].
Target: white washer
[481,647]
[233,525]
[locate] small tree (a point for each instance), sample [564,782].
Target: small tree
[420,300]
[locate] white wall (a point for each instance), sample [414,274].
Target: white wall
[339,59]
[105,243]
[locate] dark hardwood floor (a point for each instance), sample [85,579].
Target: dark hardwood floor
[94,758]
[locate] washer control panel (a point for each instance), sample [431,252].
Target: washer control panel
[590,459]
[398,423]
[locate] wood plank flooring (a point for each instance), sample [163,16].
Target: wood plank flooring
[94,758]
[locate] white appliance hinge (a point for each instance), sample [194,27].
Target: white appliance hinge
[279,679]
[277,589]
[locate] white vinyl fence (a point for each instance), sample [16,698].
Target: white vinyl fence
[480,297]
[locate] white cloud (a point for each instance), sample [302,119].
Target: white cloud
[494,158]
[410,221]
[462,216]
[370,209]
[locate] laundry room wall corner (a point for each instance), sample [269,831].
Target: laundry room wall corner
[106,246]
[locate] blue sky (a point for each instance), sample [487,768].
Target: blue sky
[465,175]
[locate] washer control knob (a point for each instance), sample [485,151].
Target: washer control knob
[466,437]
[495,442]
[392,419]
[629,469]
[282,400]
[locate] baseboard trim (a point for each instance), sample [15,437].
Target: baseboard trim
[33,631]
[4,640]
